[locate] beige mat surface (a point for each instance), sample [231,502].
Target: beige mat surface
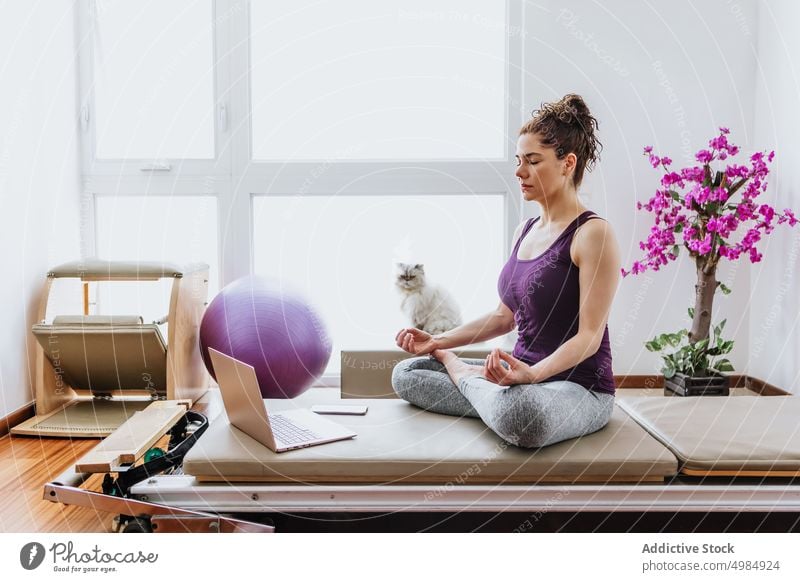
[398,442]
[724,436]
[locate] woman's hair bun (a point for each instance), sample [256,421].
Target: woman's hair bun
[570,108]
[567,126]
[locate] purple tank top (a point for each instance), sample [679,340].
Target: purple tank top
[544,294]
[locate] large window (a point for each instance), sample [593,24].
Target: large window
[153,79]
[358,79]
[340,252]
[320,142]
[169,229]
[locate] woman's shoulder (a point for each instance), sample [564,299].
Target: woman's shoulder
[519,230]
[591,236]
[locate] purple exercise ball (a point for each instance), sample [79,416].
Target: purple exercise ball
[265,324]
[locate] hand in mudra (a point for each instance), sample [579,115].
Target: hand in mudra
[514,372]
[415,341]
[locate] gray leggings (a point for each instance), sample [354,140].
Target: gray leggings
[526,415]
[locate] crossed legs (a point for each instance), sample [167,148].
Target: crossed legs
[527,415]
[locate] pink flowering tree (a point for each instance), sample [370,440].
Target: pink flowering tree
[697,204]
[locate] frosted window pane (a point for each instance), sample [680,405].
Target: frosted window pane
[154,79]
[357,79]
[173,229]
[339,251]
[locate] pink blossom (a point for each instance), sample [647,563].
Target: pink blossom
[736,171]
[704,156]
[788,215]
[744,211]
[751,191]
[767,212]
[729,253]
[703,194]
[694,174]
[671,179]
[719,143]
[706,214]
[719,194]
[751,238]
[705,245]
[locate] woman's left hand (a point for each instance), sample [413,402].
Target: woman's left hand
[518,372]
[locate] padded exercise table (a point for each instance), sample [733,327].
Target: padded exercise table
[398,442]
[408,459]
[712,436]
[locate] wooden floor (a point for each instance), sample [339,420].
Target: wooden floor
[27,463]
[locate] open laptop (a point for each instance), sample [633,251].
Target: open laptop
[247,411]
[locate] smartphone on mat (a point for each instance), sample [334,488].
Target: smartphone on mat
[338,409]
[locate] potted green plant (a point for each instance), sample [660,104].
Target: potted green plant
[697,203]
[690,371]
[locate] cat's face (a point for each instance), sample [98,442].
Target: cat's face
[409,277]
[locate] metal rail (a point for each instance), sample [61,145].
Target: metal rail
[184,491]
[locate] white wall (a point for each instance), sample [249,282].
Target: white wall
[666,75]
[774,305]
[661,74]
[39,179]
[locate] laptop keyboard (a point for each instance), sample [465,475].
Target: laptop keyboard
[289,433]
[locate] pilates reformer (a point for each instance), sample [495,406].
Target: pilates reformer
[93,371]
[657,454]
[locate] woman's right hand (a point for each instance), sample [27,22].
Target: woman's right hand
[415,341]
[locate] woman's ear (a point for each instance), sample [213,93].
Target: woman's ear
[570,161]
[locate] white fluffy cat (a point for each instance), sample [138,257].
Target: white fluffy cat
[429,307]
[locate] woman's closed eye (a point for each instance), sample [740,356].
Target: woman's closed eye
[530,162]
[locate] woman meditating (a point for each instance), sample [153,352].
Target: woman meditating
[557,288]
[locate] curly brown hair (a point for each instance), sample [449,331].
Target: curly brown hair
[567,126]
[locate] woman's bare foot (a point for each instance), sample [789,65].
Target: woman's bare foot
[456,369]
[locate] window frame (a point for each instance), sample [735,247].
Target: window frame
[146,167]
[235,179]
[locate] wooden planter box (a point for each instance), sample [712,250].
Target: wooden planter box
[683,385]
